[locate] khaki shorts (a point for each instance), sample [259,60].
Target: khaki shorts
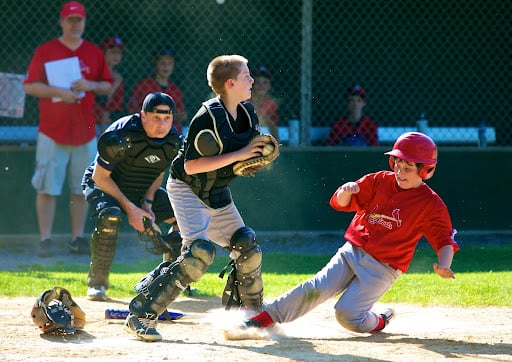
[55,161]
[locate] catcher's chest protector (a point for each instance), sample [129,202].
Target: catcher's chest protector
[144,160]
[229,139]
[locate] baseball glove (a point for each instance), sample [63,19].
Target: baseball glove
[158,244]
[268,154]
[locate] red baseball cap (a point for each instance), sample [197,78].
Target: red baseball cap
[72,8]
[112,42]
[356,90]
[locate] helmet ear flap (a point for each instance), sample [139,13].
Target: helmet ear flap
[392,163]
[427,171]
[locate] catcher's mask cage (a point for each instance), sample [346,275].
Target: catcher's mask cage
[55,312]
[418,148]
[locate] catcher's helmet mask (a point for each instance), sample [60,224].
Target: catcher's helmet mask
[55,312]
[418,148]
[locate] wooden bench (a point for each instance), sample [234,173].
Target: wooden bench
[388,135]
[18,134]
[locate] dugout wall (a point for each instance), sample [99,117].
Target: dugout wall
[294,193]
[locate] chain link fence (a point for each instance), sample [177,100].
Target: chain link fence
[447,60]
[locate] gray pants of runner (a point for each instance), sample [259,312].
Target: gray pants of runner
[360,277]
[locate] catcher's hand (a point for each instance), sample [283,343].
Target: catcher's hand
[269,153]
[158,244]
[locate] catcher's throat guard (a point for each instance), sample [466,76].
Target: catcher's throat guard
[55,312]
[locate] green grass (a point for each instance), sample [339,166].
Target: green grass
[483,278]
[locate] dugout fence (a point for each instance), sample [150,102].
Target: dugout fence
[447,60]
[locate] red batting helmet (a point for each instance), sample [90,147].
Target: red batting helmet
[418,148]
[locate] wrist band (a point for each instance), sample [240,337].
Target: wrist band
[147,201]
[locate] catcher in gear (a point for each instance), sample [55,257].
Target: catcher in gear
[126,178]
[220,134]
[394,210]
[55,312]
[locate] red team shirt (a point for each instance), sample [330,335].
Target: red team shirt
[344,130]
[114,103]
[68,123]
[149,85]
[390,221]
[268,112]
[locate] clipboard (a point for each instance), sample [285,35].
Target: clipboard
[61,73]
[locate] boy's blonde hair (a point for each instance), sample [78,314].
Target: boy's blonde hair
[221,69]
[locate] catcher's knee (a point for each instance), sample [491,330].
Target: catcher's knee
[163,285]
[109,220]
[197,258]
[245,250]
[247,269]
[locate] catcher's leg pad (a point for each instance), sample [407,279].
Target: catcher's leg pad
[103,246]
[246,274]
[165,283]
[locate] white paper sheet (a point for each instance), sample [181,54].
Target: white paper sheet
[61,73]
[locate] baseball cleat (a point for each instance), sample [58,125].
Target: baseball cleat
[80,246]
[45,248]
[97,293]
[387,315]
[143,328]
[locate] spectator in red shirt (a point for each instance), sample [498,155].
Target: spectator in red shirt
[111,105]
[66,141]
[160,82]
[265,106]
[354,128]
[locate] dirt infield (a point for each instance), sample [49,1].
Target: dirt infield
[416,334]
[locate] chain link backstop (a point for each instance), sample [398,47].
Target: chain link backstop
[449,60]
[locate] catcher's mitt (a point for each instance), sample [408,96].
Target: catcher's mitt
[268,154]
[156,243]
[55,312]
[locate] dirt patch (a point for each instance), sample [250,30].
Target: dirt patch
[415,334]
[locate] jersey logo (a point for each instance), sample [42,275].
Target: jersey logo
[152,159]
[385,220]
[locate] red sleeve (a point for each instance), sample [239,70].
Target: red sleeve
[138,93]
[337,132]
[115,102]
[274,113]
[370,131]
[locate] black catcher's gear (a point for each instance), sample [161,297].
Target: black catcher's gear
[103,246]
[244,287]
[165,283]
[219,138]
[158,244]
[55,312]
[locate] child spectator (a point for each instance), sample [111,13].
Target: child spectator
[354,128]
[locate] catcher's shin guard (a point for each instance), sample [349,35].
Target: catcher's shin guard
[244,286]
[165,283]
[103,246]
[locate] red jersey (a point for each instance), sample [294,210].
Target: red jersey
[109,104]
[68,123]
[149,85]
[390,221]
[268,112]
[345,133]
